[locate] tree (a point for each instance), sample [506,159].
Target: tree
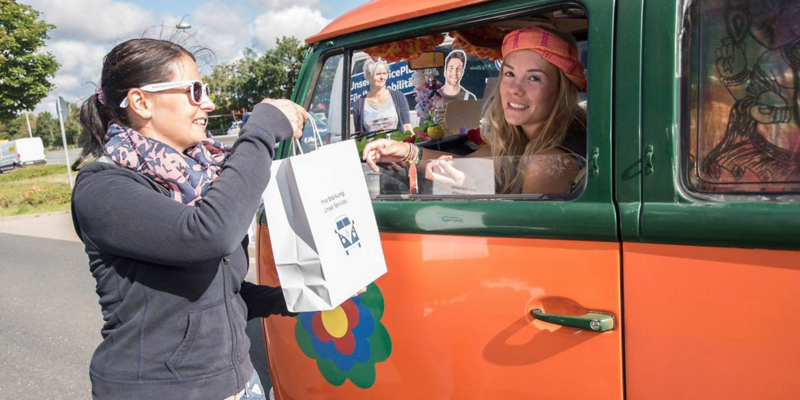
[15,128]
[24,69]
[290,53]
[72,126]
[47,129]
[247,81]
[45,126]
[280,67]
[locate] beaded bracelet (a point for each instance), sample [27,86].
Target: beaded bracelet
[408,154]
[417,155]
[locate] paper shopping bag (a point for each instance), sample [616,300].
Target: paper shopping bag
[323,232]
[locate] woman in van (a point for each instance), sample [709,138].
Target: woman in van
[532,116]
[163,214]
[382,109]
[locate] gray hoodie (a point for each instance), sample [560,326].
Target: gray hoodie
[171,277]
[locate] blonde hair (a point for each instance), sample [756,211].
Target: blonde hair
[509,140]
[370,66]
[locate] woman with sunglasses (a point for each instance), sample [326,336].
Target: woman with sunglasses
[163,213]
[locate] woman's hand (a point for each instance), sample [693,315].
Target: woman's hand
[384,151]
[442,170]
[297,115]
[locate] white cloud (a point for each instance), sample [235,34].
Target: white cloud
[87,29]
[220,28]
[298,21]
[99,21]
[81,63]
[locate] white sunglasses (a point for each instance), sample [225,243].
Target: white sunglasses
[199,89]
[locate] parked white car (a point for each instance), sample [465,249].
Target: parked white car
[20,152]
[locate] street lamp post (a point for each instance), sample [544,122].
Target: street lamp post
[183,26]
[61,110]
[28,119]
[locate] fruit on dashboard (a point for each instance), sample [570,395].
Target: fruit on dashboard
[435,132]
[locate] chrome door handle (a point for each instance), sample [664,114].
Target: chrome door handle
[648,161]
[592,320]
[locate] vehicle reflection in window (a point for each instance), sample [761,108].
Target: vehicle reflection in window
[483,177]
[325,107]
[310,141]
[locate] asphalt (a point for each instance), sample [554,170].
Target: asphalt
[58,226]
[50,320]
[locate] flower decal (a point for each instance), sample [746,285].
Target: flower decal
[347,341]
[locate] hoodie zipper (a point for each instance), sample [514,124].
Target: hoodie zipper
[234,338]
[230,321]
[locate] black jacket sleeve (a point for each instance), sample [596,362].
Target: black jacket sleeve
[121,216]
[263,301]
[358,108]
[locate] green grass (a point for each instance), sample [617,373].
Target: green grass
[34,190]
[21,174]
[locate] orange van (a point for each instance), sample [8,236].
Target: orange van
[672,270]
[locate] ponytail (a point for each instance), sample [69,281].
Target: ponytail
[95,124]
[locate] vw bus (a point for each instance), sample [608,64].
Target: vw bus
[672,271]
[346,231]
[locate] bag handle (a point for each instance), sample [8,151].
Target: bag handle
[315,130]
[296,146]
[316,136]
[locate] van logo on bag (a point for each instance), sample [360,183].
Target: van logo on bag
[346,229]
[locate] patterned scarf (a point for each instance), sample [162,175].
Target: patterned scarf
[187,176]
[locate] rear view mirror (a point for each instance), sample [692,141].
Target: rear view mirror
[430,59]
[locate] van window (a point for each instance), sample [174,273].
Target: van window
[325,108]
[744,126]
[448,109]
[483,177]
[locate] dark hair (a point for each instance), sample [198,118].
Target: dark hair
[128,65]
[459,54]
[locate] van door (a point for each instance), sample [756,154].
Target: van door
[709,288]
[486,296]
[31,151]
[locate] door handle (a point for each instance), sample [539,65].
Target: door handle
[592,320]
[595,166]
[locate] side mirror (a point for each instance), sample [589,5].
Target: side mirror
[430,59]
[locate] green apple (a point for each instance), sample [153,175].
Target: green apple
[435,132]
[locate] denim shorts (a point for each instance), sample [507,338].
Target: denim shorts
[254,390]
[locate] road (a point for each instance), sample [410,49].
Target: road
[57,156]
[50,320]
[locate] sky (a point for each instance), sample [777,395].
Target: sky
[87,29]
